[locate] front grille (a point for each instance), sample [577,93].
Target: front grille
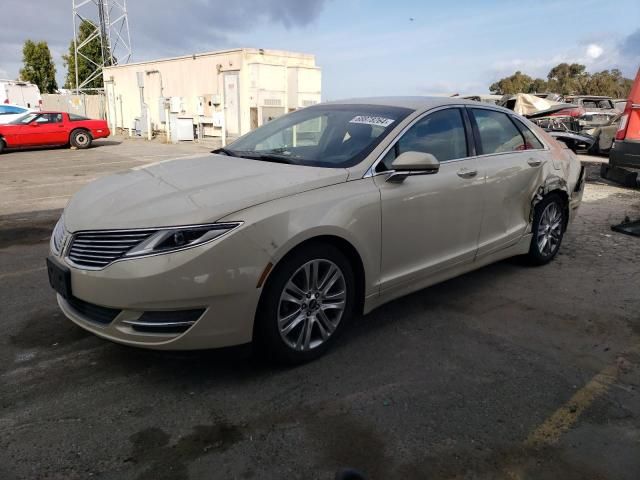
[95,313]
[98,249]
[165,322]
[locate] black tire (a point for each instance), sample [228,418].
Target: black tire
[551,210]
[1,145]
[604,170]
[80,139]
[267,336]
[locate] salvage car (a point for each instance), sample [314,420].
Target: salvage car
[626,147]
[38,129]
[287,234]
[593,110]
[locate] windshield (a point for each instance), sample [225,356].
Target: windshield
[24,119]
[330,136]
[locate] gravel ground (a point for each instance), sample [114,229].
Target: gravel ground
[508,372]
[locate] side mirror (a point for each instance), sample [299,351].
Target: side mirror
[413,163]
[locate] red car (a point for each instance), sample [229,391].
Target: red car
[37,129]
[626,148]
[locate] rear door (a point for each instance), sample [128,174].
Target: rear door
[430,222]
[511,159]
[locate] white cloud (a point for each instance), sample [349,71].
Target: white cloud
[594,51]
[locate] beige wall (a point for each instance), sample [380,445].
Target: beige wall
[92,106]
[264,77]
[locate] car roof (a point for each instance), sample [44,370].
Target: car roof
[14,105]
[599,97]
[414,103]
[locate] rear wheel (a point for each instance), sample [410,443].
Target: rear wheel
[549,222]
[306,304]
[1,145]
[80,139]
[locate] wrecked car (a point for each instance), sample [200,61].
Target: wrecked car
[589,124]
[282,242]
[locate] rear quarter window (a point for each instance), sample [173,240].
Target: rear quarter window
[76,118]
[531,141]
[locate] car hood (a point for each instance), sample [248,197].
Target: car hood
[189,191]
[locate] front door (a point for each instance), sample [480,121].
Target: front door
[430,222]
[46,129]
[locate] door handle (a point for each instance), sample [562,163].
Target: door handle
[467,173]
[534,162]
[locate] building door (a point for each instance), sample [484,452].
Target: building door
[231,104]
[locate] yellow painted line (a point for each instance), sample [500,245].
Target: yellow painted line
[567,415]
[21,272]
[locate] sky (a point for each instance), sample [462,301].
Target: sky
[364,47]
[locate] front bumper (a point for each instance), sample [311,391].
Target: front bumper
[215,283]
[625,153]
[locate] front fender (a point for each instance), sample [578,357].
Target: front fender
[350,211]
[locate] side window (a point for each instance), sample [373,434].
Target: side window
[531,141]
[441,134]
[3,110]
[497,132]
[50,118]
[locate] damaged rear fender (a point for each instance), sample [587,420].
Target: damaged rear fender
[552,183]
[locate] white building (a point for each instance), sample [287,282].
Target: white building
[229,92]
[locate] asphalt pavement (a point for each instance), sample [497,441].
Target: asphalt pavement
[510,372]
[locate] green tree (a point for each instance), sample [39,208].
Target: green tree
[609,83]
[92,50]
[38,66]
[539,85]
[516,83]
[568,79]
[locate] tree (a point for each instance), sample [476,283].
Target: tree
[538,86]
[568,79]
[92,50]
[609,83]
[38,66]
[516,83]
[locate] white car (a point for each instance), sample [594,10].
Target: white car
[9,112]
[297,227]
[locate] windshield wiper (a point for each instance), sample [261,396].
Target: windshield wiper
[229,153]
[268,157]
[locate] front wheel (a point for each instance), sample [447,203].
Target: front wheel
[306,304]
[80,139]
[548,229]
[2,145]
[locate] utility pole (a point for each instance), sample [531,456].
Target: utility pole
[111,28]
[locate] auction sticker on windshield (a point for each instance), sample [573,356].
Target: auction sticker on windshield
[369,120]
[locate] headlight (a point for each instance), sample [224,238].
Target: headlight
[179,238]
[57,236]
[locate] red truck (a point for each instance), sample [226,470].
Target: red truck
[36,129]
[625,151]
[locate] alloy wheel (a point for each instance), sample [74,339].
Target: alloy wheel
[311,304]
[549,229]
[82,139]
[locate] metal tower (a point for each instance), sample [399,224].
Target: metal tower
[111,28]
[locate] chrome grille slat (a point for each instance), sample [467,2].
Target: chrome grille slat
[112,241]
[98,249]
[113,250]
[99,257]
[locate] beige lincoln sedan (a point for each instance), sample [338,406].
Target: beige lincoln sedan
[312,219]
